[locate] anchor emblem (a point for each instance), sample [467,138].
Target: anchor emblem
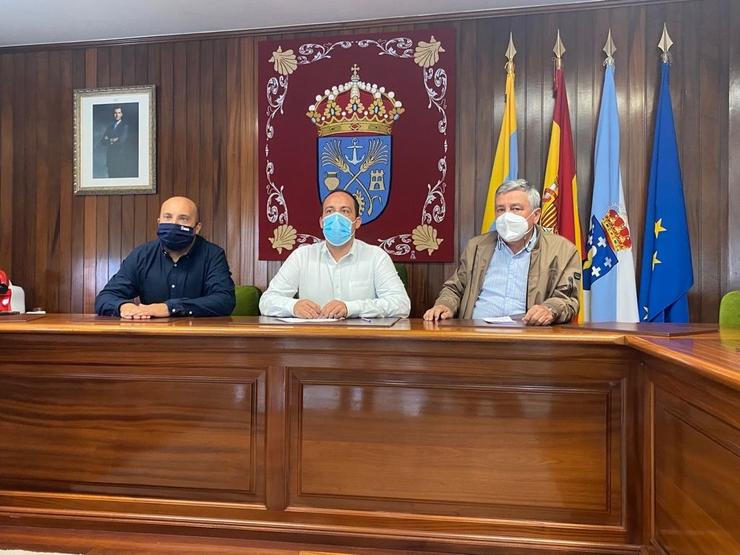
[354,146]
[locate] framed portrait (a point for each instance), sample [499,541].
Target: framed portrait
[115,141]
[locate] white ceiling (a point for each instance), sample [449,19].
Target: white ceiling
[25,22]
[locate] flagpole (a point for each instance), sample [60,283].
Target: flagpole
[505,159]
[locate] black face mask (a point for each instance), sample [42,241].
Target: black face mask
[175,237]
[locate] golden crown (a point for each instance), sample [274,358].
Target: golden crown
[355,106]
[617,231]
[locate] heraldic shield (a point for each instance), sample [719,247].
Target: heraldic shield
[360,165]
[354,122]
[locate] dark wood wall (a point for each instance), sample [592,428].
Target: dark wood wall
[63,248]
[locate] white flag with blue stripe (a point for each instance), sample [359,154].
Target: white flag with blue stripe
[610,294]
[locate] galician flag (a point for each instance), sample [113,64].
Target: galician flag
[667,273]
[609,292]
[505,162]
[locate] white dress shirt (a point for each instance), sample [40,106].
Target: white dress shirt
[364,279]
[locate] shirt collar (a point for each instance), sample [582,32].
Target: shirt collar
[352,251]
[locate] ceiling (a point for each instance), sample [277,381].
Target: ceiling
[27,22]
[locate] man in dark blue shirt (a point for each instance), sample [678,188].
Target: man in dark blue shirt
[179,274]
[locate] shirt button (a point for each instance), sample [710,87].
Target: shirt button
[173,286]
[175,265]
[190,313]
[173,310]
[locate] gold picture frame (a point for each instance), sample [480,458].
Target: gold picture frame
[115,144]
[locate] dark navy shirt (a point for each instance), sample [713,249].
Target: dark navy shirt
[198,284]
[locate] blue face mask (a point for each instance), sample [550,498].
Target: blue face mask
[337,229]
[175,237]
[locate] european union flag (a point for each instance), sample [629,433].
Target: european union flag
[667,274]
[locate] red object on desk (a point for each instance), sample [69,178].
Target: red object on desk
[5,292]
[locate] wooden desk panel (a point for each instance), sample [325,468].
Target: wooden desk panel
[416,436]
[457,445]
[696,463]
[147,418]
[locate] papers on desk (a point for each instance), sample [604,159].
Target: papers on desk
[498,320]
[307,320]
[340,322]
[505,320]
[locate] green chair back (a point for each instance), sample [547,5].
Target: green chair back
[403,274]
[729,310]
[247,300]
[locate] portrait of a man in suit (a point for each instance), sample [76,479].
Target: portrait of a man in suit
[118,145]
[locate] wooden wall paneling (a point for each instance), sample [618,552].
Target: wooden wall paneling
[151,202]
[179,119]
[63,183]
[234,102]
[631,78]
[40,175]
[192,137]
[248,206]
[489,105]
[712,109]
[219,136]
[6,162]
[467,130]
[91,65]
[206,142]
[131,74]
[77,220]
[733,181]
[165,128]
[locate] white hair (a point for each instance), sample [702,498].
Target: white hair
[521,185]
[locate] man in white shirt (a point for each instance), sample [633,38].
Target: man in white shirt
[341,277]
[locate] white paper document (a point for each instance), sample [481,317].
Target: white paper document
[307,320]
[499,320]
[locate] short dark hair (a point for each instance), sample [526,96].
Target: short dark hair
[355,202]
[117,108]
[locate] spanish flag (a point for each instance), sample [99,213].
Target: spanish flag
[505,162]
[560,190]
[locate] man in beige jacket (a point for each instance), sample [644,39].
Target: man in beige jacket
[518,269]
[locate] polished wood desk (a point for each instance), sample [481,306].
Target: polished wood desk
[450,438]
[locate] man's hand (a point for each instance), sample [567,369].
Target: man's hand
[158,310]
[306,308]
[334,309]
[438,312]
[131,311]
[539,315]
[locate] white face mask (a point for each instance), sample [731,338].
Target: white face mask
[511,227]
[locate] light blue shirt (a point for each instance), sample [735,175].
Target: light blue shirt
[504,291]
[364,279]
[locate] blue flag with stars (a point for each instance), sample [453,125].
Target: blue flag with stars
[667,274]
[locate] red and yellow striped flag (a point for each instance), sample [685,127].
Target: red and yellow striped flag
[560,190]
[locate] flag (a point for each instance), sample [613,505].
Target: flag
[609,272]
[667,274]
[505,161]
[560,190]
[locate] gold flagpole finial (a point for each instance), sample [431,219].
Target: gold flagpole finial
[510,53]
[665,44]
[559,51]
[609,49]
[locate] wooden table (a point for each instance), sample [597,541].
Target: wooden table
[458,438]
